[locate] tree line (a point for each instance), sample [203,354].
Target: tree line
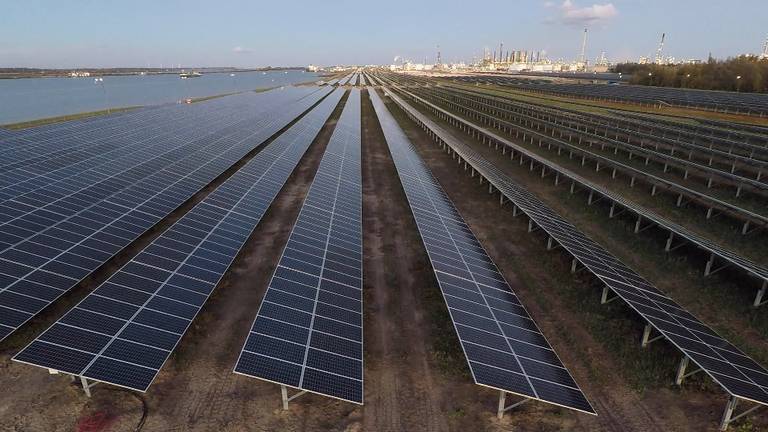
[744,73]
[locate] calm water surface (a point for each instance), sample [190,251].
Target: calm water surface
[35,98]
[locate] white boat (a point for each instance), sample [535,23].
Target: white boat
[185,75]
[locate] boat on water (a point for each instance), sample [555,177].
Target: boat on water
[185,75]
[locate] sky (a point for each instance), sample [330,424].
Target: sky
[247,33]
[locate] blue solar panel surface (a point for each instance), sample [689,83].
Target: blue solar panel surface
[504,347]
[123,332]
[53,237]
[308,332]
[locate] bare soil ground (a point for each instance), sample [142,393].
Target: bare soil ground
[415,375]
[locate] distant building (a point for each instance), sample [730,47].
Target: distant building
[79,74]
[313,68]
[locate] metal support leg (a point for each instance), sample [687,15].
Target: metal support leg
[681,374]
[606,298]
[86,386]
[286,398]
[647,339]
[284,393]
[761,294]
[551,243]
[708,270]
[502,402]
[730,407]
[681,370]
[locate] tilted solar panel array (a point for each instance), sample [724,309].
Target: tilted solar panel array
[52,238]
[5,133]
[751,267]
[362,80]
[722,361]
[308,332]
[504,347]
[123,332]
[77,151]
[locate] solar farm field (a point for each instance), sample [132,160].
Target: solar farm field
[386,252]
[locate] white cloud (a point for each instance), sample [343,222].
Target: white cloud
[241,50]
[570,13]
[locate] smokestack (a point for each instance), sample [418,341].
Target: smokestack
[583,56]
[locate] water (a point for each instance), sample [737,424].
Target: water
[35,98]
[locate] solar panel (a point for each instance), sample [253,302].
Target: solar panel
[79,153]
[750,267]
[49,245]
[308,331]
[504,347]
[733,370]
[123,332]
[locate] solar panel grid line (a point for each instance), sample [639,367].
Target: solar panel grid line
[17,139]
[734,210]
[145,144]
[749,103]
[727,205]
[51,146]
[625,125]
[240,199]
[749,266]
[148,118]
[713,354]
[571,123]
[314,265]
[159,158]
[498,313]
[21,278]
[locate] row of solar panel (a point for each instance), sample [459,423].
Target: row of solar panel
[579,126]
[49,245]
[740,211]
[503,346]
[709,246]
[722,361]
[124,331]
[308,331]
[69,153]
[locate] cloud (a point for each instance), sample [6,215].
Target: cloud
[572,14]
[241,50]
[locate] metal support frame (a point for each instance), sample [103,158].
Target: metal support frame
[669,246]
[708,270]
[681,374]
[531,226]
[638,225]
[730,408]
[606,296]
[575,266]
[502,404]
[761,294]
[551,244]
[613,211]
[647,339]
[86,385]
[286,398]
